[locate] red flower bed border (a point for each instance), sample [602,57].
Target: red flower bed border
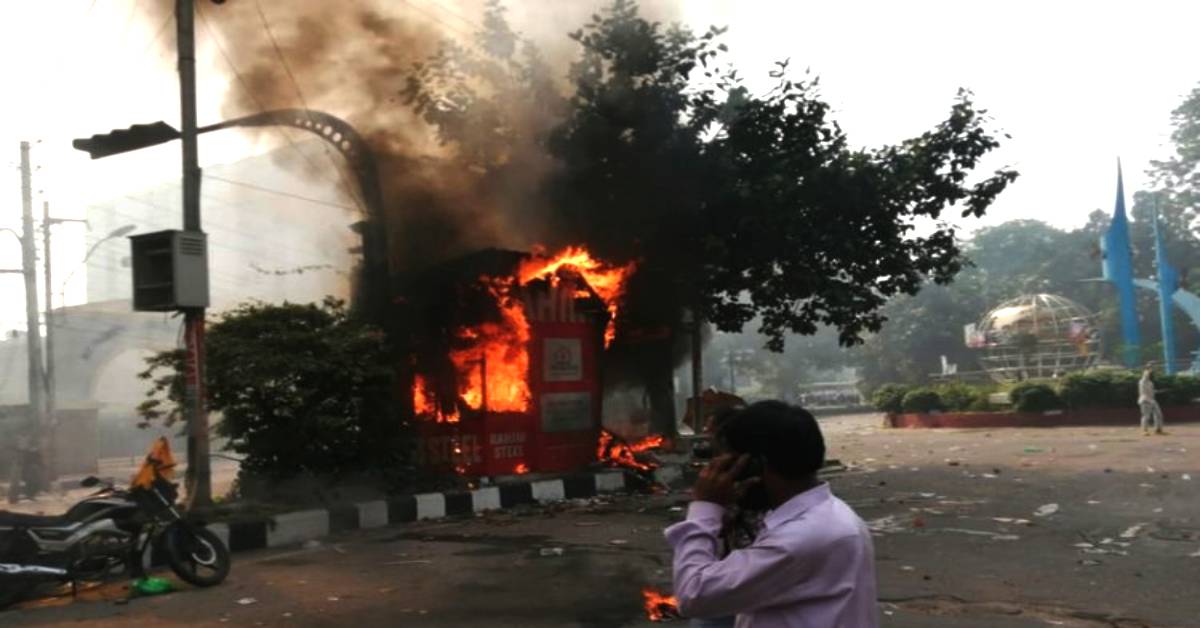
[1056,418]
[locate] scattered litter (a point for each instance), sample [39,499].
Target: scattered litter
[954,463]
[928,495]
[890,523]
[1104,550]
[918,522]
[1149,469]
[1093,447]
[287,614]
[1186,476]
[1045,510]
[332,598]
[339,549]
[1133,531]
[1093,502]
[1087,562]
[311,544]
[1003,519]
[551,551]
[676,508]
[990,476]
[1144,485]
[247,601]
[907,568]
[152,586]
[1084,545]
[1194,555]
[992,535]
[1158,510]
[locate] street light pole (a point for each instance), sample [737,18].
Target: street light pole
[51,458]
[199,479]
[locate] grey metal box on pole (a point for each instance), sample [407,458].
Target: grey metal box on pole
[170,270]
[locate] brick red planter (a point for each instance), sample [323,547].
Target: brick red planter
[1058,418]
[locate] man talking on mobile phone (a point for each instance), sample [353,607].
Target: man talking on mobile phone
[812,565]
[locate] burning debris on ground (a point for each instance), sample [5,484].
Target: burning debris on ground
[660,607]
[615,452]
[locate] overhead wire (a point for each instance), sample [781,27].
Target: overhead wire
[303,102]
[459,16]
[237,73]
[260,188]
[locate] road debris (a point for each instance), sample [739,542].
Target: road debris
[247,601]
[551,551]
[1045,510]
[1133,531]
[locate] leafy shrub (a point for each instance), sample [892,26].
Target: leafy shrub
[1032,397]
[1174,390]
[981,403]
[922,400]
[959,397]
[1100,389]
[889,398]
[300,388]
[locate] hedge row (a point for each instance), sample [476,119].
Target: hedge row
[1093,389]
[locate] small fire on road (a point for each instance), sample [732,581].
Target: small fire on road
[616,452]
[660,607]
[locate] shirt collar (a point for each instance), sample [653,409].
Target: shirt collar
[797,505]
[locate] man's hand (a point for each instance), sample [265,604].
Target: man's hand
[718,481]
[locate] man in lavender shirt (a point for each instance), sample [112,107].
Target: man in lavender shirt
[811,566]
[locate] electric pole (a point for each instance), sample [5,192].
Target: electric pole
[37,407]
[51,459]
[199,478]
[51,456]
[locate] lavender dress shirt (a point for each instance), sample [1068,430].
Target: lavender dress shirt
[812,566]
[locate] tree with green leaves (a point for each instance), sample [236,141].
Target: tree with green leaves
[299,389]
[737,205]
[1178,176]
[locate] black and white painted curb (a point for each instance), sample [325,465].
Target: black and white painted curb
[297,527]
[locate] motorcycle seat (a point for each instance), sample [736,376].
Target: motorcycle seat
[22,520]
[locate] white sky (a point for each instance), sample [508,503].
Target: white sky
[1075,83]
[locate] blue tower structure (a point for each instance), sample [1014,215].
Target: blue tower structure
[1168,283]
[1118,270]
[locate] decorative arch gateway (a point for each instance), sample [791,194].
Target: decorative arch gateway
[345,138]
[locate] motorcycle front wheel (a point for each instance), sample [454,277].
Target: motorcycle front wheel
[196,555]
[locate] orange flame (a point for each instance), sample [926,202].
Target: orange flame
[493,364]
[606,280]
[500,350]
[618,453]
[659,607]
[521,469]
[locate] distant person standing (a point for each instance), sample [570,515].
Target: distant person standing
[1151,412]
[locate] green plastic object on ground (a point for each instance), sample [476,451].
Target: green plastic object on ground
[152,586]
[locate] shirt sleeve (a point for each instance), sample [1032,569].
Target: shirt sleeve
[749,578]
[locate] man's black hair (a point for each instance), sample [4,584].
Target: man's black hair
[786,436]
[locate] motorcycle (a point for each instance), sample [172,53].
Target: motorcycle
[105,535]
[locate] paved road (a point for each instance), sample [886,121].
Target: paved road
[959,545]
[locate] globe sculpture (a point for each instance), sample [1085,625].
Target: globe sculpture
[1035,336]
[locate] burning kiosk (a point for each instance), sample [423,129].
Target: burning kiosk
[507,375]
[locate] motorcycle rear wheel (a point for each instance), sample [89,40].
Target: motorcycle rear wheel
[196,555]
